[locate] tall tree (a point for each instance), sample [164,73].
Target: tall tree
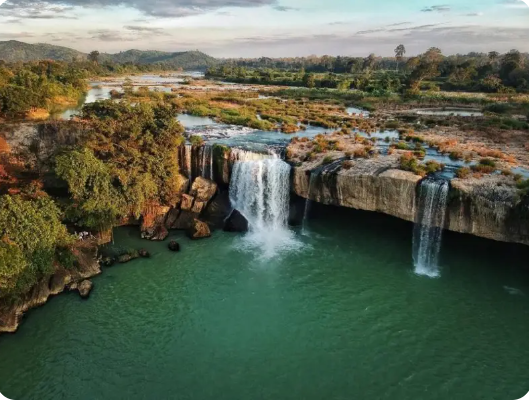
[493,56]
[400,51]
[94,56]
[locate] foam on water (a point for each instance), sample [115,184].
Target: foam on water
[259,189]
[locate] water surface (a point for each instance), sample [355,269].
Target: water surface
[343,316]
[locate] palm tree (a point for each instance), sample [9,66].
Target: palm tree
[400,51]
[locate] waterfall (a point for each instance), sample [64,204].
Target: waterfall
[260,190]
[428,229]
[205,155]
[304,223]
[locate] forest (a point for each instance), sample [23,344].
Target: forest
[474,72]
[50,84]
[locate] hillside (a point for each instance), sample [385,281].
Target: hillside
[186,60]
[12,51]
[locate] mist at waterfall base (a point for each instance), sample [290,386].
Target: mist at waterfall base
[260,191]
[428,232]
[346,318]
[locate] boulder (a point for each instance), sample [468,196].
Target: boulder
[236,223]
[198,230]
[153,223]
[203,190]
[127,257]
[198,207]
[108,261]
[187,202]
[174,246]
[218,210]
[184,220]
[84,288]
[144,253]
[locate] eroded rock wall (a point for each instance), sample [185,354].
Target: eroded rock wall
[487,207]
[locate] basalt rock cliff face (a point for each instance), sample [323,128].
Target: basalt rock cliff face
[12,312]
[486,207]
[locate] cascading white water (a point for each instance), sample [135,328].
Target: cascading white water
[304,229]
[428,229]
[260,190]
[206,162]
[188,160]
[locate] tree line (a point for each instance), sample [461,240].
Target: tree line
[491,72]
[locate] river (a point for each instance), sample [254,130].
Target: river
[340,315]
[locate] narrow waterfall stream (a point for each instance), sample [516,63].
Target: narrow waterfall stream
[260,190]
[304,224]
[427,234]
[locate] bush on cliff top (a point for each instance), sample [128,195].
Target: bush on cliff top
[127,161]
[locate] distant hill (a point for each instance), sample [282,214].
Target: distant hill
[186,60]
[12,51]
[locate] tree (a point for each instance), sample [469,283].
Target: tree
[97,204]
[369,62]
[94,57]
[30,232]
[309,81]
[400,51]
[493,56]
[427,67]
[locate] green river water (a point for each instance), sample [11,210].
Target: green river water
[341,316]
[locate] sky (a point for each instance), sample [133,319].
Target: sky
[271,28]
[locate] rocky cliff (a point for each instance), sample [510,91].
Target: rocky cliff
[12,312]
[487,207]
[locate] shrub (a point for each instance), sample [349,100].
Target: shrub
[196,140]
[487,162]
[409,163]
[463,172]
[456,155]
[348,164]
[327,160]
[432,166]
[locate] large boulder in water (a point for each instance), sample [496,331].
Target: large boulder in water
[198,230]
[236,223]
[203,190]
[174,246]
[218,210]
[84,288]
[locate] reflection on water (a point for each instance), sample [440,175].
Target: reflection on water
[450,112]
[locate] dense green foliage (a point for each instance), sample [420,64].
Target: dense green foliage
[31,233]
[490,72]
[39,85]
[126,162]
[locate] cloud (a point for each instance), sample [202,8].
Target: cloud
[411,28]
[284,8]
[35,10]
[443,8]
[156,8]
[370,31]
[400,24]
[146,29]
[109,35]
[16,36]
